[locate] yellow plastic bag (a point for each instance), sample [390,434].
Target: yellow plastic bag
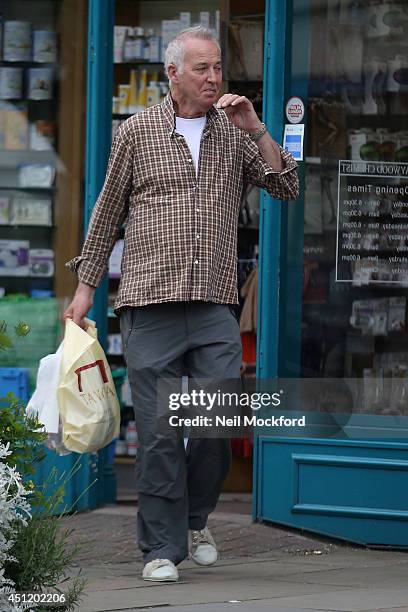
[87,400]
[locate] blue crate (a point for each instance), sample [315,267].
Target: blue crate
[15,380]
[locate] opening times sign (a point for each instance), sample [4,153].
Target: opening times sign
[372,223]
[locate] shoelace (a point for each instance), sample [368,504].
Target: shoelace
[156,563]
[199,537]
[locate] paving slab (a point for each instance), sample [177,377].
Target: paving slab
[353,600]
[261,567]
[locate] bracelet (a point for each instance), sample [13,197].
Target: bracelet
[259,133]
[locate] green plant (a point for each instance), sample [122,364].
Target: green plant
[24,435]
[40,555]
[43,552]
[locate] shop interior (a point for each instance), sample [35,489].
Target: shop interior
[42,167]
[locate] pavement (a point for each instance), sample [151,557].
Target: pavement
[261,567]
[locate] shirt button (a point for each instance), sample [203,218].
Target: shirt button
[198,236]
[197,210]
[196,261]
[190,160]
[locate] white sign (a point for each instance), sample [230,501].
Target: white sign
[295,110]
[293,140]
[372,223]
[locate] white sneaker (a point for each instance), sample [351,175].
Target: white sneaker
[160,570]
[202,547]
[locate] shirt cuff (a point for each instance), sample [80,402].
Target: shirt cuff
[86,271]
[288,162]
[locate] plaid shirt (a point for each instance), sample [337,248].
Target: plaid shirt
[180,228]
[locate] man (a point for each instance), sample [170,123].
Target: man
[175,176]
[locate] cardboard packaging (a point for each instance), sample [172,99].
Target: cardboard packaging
[14,257]
[31,210]
[16,128]
[41,262]
[246,51]
[4,209]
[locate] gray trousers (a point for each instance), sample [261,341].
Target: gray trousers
[177,488]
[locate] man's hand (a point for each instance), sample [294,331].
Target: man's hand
[82,302]
[240,112]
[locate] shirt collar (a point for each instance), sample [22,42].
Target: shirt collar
[170,115]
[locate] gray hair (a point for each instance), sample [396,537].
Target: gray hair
[175,50]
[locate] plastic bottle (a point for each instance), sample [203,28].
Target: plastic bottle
[133,94]
[153,93]
[143,89]
[129,46]
[132,439]
[139,44]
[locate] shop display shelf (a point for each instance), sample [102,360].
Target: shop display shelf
[10,158]
[27,225]
[28,64]
[138,63]
[19,188]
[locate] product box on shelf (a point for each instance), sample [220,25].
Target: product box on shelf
[14,257]
[16,127]
[42,135]
[396,314]
[119,34]
[40,83]
[185,20]
[205,19]
[378,317]
[36,175]
[41,262]
[246,41]
[45,46]
[17,41]
[3,116]
[11,83]
[154,46]
[116,259]
[27,209]
[4,209]
[169,29]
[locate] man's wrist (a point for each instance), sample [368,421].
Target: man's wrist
[85,289]
[257,133]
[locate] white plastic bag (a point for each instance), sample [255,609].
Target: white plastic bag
[88,405]
[44,403]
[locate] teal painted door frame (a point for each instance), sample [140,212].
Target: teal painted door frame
[94,466]
[273,213]
[352,488]
[98,126]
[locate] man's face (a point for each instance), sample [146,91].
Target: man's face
[200,82]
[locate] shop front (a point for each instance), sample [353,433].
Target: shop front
[42,133]
[333,266]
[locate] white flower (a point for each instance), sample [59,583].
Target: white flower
[14,509]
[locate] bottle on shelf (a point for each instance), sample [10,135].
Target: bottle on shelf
[129,45]
[143,89]
[124,97]
[139,44]
[131,439]
[153,93]
[133,94]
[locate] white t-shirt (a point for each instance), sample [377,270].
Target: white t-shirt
[192,130]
